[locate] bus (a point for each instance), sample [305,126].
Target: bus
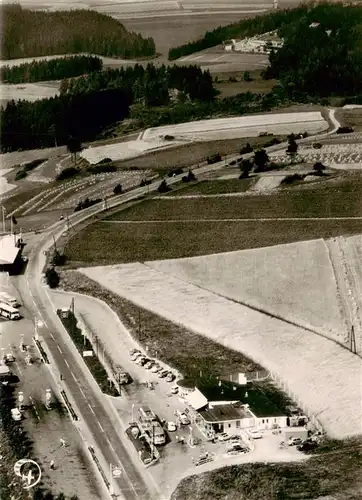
[9,299]
[9,312]
[150,424]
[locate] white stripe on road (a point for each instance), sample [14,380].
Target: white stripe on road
[81,390]
[91,409]
[66,362]
[266,219]
[52,336]
[101,428]
[59,349]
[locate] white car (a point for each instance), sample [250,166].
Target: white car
[156,368]
[149,365]
[136,355]
[171,426]
[223,437]
[174,389]
[16,414]
[253,433]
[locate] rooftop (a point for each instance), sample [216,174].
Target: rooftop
[8,250]
[259,403]
[226,412]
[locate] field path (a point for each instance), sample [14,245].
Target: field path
[172,221]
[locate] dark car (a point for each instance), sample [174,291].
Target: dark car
[307,446]
[143,361]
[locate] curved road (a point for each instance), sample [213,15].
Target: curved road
[90,403]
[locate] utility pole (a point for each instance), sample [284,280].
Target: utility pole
[353,341]
[3,211]
[55,244]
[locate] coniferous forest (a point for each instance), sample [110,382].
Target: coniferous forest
[54,69]
[28,33]
[89,104]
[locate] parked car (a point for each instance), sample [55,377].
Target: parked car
[223,437]
[307,446]
[170,377]
[171,426]
[142,361]
[136,355]
[16,414]
[235,438]
[163,374]
[253,433]
[9,358]
[293,441]
[149,364]
[156,368]
[184,419]
[132,352]
[174,389]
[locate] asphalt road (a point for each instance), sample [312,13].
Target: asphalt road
[87,399]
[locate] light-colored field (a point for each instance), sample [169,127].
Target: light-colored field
[340,156]
[294,281]
[245,126]
[322,376]
[28,91]
[26,60]
[125,150]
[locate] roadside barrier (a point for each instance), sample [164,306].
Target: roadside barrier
[69,406]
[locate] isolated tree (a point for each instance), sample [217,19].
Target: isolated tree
[74,146]
[292,148]
[58,259]
[163,187]
[52,277]
[261,159]
[245,167]
[247,77]
[246,149]
[319,168]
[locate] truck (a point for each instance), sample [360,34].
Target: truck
[9,312]
[9,299]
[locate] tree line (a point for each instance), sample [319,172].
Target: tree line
[50,122]
[54,69]
[151,86]
[28,33]
[331,60]
[244,28]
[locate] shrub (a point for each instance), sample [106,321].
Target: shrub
[52,277]
[58,259]
[20,175]
[290,179]
[176,171]
[104,160]
[169,137]
[118,189]
[101,169]
[86,204]
[246,149]
[67,173]
[319,168]
[344,130]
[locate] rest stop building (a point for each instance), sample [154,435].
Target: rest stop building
[222,406]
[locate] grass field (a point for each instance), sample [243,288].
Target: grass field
[111,242]
[351,118]
[195,353]
[333,474]
[229,88]
[216,186]
[294,281]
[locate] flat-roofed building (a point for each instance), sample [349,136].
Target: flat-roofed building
[10,254]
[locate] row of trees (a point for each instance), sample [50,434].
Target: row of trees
[152,86]
[49,122]
[28,33]
[54,69]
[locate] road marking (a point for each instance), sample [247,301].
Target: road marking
[52,336]
[111,445]
[72,374]
[81,390]
[59,349]
[66,362]
[101,428]
[91,409]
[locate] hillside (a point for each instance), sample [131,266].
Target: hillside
[333,475]
[27,33]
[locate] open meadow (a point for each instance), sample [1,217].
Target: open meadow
[333,396]
[294,281]
[170,227]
